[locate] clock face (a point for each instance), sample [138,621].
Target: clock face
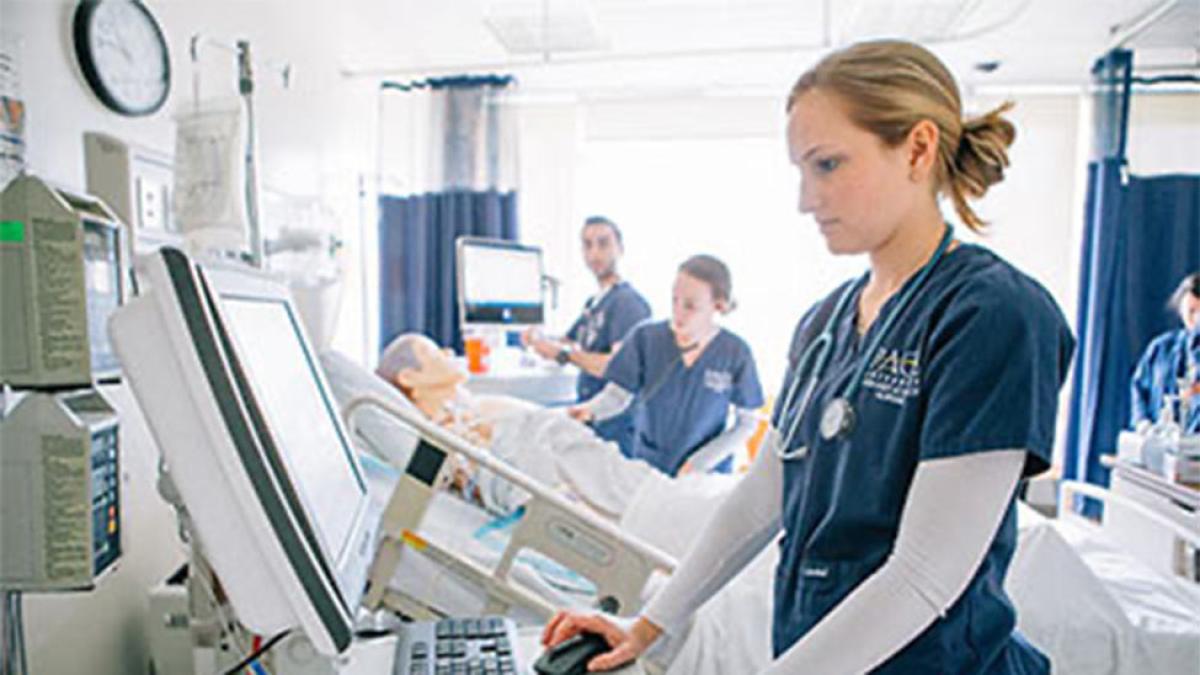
[123,55]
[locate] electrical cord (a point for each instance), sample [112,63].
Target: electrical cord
[14,635]
[258,653]
[200,572]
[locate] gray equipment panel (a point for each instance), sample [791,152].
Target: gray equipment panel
[63,275]
[60,495]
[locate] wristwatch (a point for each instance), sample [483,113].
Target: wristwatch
[563,357]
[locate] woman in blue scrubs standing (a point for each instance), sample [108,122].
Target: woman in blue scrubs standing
[918,395]
[1170,366]
[683,376]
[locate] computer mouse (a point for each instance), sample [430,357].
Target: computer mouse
[570,657]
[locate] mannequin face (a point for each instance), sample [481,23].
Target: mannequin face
[437,372]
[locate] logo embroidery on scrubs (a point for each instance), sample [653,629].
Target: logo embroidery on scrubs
[591,329]
[894,375]
[719,381]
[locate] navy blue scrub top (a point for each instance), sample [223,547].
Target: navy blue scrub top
[680,408]
[974,364]
[605,321]
[1165,361]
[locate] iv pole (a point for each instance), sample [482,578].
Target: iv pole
[245,73]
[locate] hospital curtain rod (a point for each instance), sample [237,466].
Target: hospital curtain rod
[1062,89]
[450,82]
[1165,79]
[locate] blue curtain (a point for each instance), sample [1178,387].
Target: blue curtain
[418,282]
[455,168]
[1141,236]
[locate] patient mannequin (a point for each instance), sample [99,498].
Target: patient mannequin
[428,376]
[544,443]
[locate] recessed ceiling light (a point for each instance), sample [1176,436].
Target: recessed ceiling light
[530,26]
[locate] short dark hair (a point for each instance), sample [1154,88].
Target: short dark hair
[603,220]
[1190,285]
[713,272]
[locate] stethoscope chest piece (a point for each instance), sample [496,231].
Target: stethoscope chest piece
[837,420]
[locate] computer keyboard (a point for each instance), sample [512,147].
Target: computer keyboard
[467,646]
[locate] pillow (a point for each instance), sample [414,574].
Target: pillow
[377,431]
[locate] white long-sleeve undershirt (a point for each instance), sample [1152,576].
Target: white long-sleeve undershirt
[725,443]
[612,400]
[954,507]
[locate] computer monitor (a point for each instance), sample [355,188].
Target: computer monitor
[235,399]
[499,282]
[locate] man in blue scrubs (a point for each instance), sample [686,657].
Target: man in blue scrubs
[1172,360]
[607,318]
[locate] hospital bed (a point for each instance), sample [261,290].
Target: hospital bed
[1092,605]
[430,531]
[728,635]
[1081,597]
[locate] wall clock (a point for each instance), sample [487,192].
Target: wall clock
[123,55]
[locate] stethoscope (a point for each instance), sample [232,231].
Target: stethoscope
[838,417]
[590,311]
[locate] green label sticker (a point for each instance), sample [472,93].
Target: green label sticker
[12,230]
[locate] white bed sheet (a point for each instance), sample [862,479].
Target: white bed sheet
[731,633]
[1094,609]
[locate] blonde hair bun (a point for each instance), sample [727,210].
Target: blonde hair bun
[982,153]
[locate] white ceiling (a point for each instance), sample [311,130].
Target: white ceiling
[735,46]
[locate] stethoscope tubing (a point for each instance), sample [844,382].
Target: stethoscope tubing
[824,342]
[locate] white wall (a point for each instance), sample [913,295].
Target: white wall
[1164,133]
[551,135]
[1036,212]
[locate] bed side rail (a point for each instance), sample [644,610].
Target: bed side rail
[1186,563]
[618,564]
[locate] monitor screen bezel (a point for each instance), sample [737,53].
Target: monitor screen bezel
[329,590]
[523,315]
[241,283]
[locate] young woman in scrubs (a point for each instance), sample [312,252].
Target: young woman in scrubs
[1171,364]
[917,397]
[683,376]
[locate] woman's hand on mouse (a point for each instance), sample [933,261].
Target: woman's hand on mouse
[627,645]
